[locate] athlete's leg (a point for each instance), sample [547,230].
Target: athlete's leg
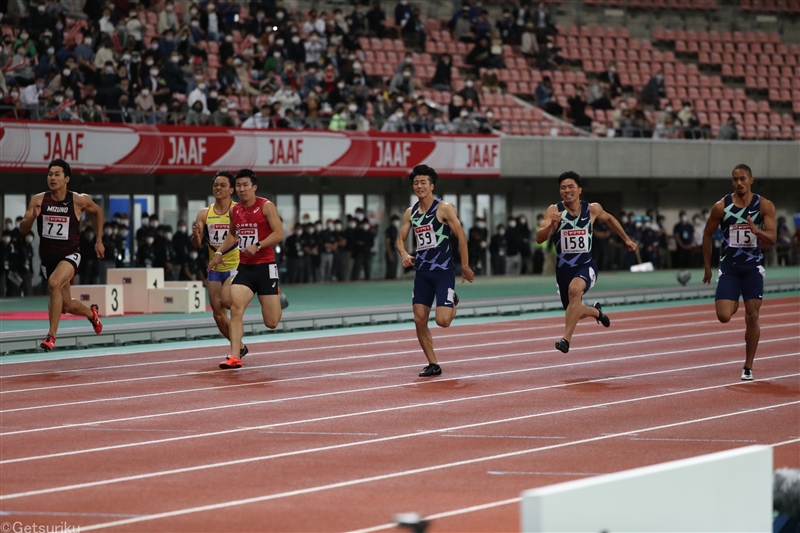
[444,315]
[226,292]
[271,310]
[220,312]
[753,330]
[240,298]
[576,310]
[421,315]
[60,299]
[726,309]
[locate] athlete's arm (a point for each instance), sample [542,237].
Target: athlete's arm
[34,208]
[275,223]
[604,216]
[450,218]
[405,227]
[712,223]
[85,203]
[198,228]
[549,224]
[768,233]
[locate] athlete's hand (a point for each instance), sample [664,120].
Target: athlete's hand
[250,250]
[467,274]
[215,262]
[408,261]
[632,246]
[37,210]
[707,276]
[752,224]
[100,250]
[555,220]
[197,229]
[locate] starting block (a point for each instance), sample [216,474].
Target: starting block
[177,300]
[109,298]
[136,282]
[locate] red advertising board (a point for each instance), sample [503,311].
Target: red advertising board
[29,146]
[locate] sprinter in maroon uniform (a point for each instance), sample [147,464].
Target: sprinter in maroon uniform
[58,213]
[256,226]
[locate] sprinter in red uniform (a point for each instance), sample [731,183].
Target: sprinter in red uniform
[58,214]
[256,226]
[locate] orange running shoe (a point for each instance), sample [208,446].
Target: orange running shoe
[48,343]
[231,362]
[95,320]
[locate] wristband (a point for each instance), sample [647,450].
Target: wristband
[217,253]
[258,245]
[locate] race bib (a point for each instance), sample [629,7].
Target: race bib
[742,237]
[424,237]
[55,227]
[574,241]
[217,233]
[247,237]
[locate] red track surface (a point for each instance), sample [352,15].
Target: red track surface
[338,433]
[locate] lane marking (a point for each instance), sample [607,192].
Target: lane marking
[493,473]
[382,354]
[294,453]
[382,387]
[350,345]
[405,473]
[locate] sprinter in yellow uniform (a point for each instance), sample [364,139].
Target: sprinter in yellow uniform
[212,226]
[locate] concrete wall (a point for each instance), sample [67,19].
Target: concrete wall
[532,157]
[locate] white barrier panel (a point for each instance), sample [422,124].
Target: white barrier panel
[109,298]
[135,284]
[720,492]
[177,300]
[183,284]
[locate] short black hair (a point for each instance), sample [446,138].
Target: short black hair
[247,173]
[424,170]
[60,163]
[225,174]
[742,166]
[570,175]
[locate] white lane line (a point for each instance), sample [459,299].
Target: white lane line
[294,453]
[405,473]
[490,505]
[501,473]
[382,387]
[504,436]
[394,353]
[695,440]
[436,337]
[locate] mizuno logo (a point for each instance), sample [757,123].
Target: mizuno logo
[55,209]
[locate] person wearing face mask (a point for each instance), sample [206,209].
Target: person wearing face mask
[540,250]
[8,256]
[145,253]
[84,55]
[363,241]
[104,55]
[476,246]
[498,250]
[173,74]
[327,248]
[211,22]
[57,214]
[164,254]
[570,222]
[443,77]
[464,123]
[683,232]
[435,227]
[524,238]
[389,240]
[403,82]
[135,27]
[167,20]
[89,268]
[25,266]
[602,249]
[296,50]
[199,95]
[514,242]
[611,79]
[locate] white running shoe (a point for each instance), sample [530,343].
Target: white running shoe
[747,374]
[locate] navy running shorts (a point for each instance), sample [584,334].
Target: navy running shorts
[262,278]
[438,283]
[564,276]
[746,281]
[220,276]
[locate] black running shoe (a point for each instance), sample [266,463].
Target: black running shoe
[563,345]
[601,318]
[243,351]
[284,301]
[431,370]
[747,374]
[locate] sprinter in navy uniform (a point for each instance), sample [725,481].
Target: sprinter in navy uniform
[747,221]
[570,222]
[434,224]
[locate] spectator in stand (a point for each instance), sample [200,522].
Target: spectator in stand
[507,28]
[402,11]
[311,108]
[653,92]
[599,96]
[469,93]
[491,125]
[413,30]
[619,116]
[490,83]
[665,125]
[443,77]
[315,48]
[259,24]
[577,110]
[173,75]
[544,24]
[295,49]
[396,122]
[684,241]
[498,249]
[529,46]
[364,240]
[145,106]
[210,22]
[228,79]
[481,56]
[260,120]
[544,97]
[220,117]
[156,84]
[46,65]
[89,112]
[728,131]
[167,20]
[19,69]
[690,122]
[611,78]
[425,122]
[135,28]
[288,98]
[376,20]
[196,116]
[381,111]
[403,83]
[465,123]
[462,27]
[27,43]
[642,127]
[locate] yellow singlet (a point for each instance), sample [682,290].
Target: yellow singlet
[217,227]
